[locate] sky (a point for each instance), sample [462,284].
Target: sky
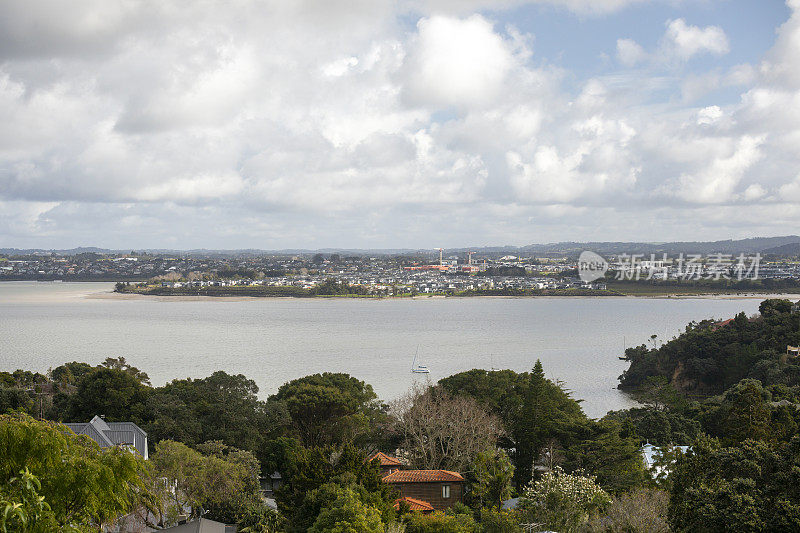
[396,123]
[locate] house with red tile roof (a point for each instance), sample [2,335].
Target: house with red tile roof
[415,505]
[441,489]
[388,464]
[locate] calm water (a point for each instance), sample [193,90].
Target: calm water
[274,340]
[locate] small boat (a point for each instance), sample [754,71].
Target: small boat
[418,369]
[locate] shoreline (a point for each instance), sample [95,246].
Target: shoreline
[112,295]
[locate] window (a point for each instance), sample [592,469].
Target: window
[445,491]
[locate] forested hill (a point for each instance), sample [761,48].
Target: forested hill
[711,356]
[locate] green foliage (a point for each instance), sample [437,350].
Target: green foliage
[493,472]
[348,514]
[613,457]
[752,487]
[220,479]
[331,287]
[258,518]
[220,407]
[498,521]
[312,475]
[69,374]
[22,509]
[15,400]
[709,358]
[534,410]
[563,502]
[82,483]
[115,393]
[331,408]
[743,414]
[658,427]
[119,363]
[664,461]
[439,522]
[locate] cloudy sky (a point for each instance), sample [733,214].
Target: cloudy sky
[390,123]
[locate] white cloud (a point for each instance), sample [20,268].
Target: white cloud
[686,40]
[717,181]
[709,115]
[629,52]
[457,62]
[270,122]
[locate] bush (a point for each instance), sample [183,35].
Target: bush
[563,502]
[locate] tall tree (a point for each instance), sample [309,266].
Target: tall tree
[493,473]
[444,431]
[331,408]
[751,487]
[82,483]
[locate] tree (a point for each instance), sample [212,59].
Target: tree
[70,373]
[223,481]
[536,413]
[220,407]
[744,412]
[493,472]
[563,502]
[313,475]
[348,514]
[444,431]
[615,460]
[114,393]
[331,408]
[754,486]
[440,522]
[119,363]
[82,483]
[21,507]
[639,511]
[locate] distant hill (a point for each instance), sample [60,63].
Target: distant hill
[793,248]
[753,245]
[788,245]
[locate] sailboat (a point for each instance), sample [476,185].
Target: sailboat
[418,369]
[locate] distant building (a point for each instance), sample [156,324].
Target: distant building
[108,434]
[441,489]
[650,453]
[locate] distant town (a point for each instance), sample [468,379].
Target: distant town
[429,272]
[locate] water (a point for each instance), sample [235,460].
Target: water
[272,341]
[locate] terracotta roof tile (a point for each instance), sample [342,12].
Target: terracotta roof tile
[386,460]
[414,504]
[422,476]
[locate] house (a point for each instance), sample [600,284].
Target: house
[388,464]
[650,453]
[441,489]
[414,505]
[721,324]
[792,351]
[108,434]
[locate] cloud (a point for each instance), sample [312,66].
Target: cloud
[687,41]
[460,7]
[267,125]
[629,52]
[457,62]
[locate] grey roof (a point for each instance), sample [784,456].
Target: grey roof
[198,526]
[510,503]
[108,434]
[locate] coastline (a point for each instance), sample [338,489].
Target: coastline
[112,295]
